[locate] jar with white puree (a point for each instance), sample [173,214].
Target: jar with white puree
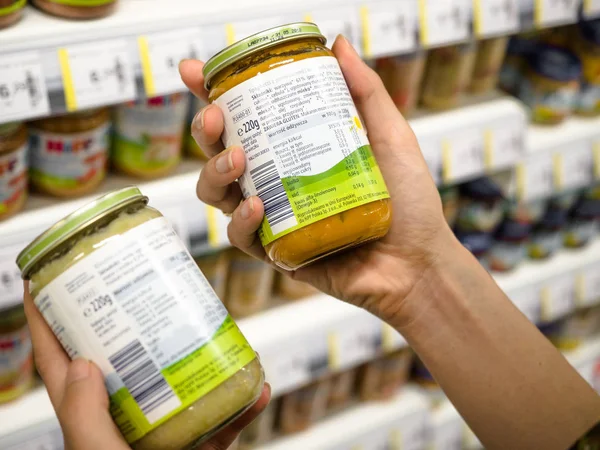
[118,287]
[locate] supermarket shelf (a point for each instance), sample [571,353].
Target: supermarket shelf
[114,47]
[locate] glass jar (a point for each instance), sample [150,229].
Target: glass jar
[303,407]
[290,289]
[450,196]
[381,378]
[341,389]
[215,267]
[551,84]
[11,12]
[481,206]
[519,50]
[510,245]
[191,146]
[402,77]
[119,288]
[490,54]
[285,102]
[16,358]
[448,74]
[77,9]
[148,135]
[13,168]
[587,47]
[69,153]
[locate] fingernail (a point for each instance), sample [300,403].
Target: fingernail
[247,209]
[198,121]
[224,162]
[79,369]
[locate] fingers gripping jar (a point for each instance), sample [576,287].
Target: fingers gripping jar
[119,288]
[285,102]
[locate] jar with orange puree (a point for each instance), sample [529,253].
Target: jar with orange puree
[13,168]
[285,102]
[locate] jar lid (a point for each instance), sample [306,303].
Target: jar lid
[483,188]
[556,63]
[590,30]
[74,223]
[256,42]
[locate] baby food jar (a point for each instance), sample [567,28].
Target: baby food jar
[450,202]
[303,407]
[587,47]
[250,284]
[260,430]
[340,392]
[286,103]
[382,378]
[490,54]
[546,237]
[448,75]
[69,153]
[527,213]
[119,288]
[290,289]
[481,206]
[402,77]
[191,146]
[16,359]
[11,12]
[77,9]
[519,50]
[582,225]
[13,168]
[215,267]
[478,243]
[551,85]
[510,246]
[148,135]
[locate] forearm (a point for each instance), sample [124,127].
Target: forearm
[510,384]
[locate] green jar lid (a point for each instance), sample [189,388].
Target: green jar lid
[74,223]
[256,42]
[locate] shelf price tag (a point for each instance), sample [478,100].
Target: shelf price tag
[504,145]
[588,286]
[535,178]
[160,54]
[443,21]
[462,156]
[527,300]
[23,91]
[388,27]
[591,9]
[558,297]
[354,343]
[596,156]
[343,20]
[217,224]
[573,168]
[390,338]
[494,17]
[11,285]
[177,218]
[96,74]
[555,12]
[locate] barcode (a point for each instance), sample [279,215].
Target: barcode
[270,190]
[141,376]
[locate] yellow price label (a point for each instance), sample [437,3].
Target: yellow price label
[146,66]
[546,304]
[580,289]
[214,233]
[423,24]
[488,149]
[67,76]
[230,34]
[366,31]
[478,17]
[446,161]
[596,150]
[558,172]
[333,346]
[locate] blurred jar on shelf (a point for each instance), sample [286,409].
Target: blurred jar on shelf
[450,196]
[402,76]
[478,243]
[68,154]
[582,225]
[289,289]
[16,358]
[77,9]
[587,47]
[11,12]
[260,430]
[381,378]
[148,135]
[249,286]
[341,389]
[13,168]
[490,54]
[482,205]
[448,74]
[519,50]
[572,331]
[526,213]
[546,237]
[303,407]
[215,267]
[191,146]
[510,246]
[551,85]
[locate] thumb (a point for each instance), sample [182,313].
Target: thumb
[83,412]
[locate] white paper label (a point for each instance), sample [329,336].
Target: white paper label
[589,289]
[591,9]
[535,178]
[463,155]
[11,284]
[443,21]
[141,291]
[555,12]
[494,17]
[23,91]
[558,297]
[355,342]
[574,167]
[97,74]
[391,27]
[343,20]
[507,144]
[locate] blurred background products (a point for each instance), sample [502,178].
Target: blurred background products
[16,358]
[77,9]
[11,12]
[13,168]
[402,76]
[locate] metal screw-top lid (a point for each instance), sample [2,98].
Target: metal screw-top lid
[74,223]
[256,42]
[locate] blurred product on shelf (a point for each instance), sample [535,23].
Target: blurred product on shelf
[490,54]
[582,225]
[13,168]
[192,148]
[261,429]
[478,243]
[450,203]
[381,378]
[546,237]
[250,284]
[570,332]
[303,407]
[77,9]
[289,289]
[519,51]
[481,207]
[341,389]
[527,213]
[551,84]
[16,358]
[116,266]
[510,246]
[68,154]
[556,36]
[448,75]
[215,267]
[11,12]
[587,46]
[318,203]
[402,76]
[148,135]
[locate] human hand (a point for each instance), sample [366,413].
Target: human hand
[378,276]
[79,397]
